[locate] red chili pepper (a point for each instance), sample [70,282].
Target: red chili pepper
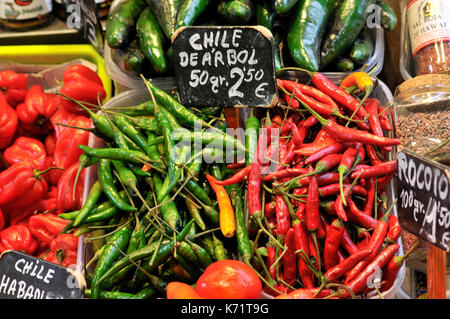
[302,243]
[81,84]
[356,216]
[270,208]
[312,217]
[280,174]
[21,186]
[18,237]
[8,122]
[332,242]
[359,283]
[339,95]
[66,151]
[384,119]
[26,150]
[310,91]
[344,167]
[339,206]
[313,101]
[45,227]
[369,202]
[382,182]
[335,148]
[316,146]
[381,169]
[298,135]
[391,270]
[238,177]
[14,85]
[313,253]
[375,244]
[364,240]
[336,272]
[290,258]
[254,188]
[300,293]
[333,189]
[395,230]
[271,257]
[348,244]
[372,155]
[372,106]
[282,216]
[65,200]
[36,111]
[348,134]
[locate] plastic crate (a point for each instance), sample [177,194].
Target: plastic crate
[45,56]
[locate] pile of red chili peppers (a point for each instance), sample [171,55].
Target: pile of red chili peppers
[39,161]
[320,224]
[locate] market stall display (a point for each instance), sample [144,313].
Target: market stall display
[137,189]
[297,29]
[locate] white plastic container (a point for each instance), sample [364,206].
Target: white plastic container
[383,93]
[135,97]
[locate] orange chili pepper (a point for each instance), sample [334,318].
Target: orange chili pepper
[227,220]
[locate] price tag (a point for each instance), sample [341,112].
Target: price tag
[225,66]
[28,277]
[82,15]
[423,198]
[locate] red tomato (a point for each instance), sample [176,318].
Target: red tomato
[180,290]
[229,279]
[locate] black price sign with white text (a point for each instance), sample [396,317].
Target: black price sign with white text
[28,277]
[225,66]
[423,198]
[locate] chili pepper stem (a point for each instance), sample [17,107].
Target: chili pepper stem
[308,262]
[270,282]
[352,294]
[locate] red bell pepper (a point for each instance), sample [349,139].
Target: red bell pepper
[53,175]
[45,227]
[66,149]
[36,111]
[8,122]
[63,250]
[61,116]
[26,150]
[18,237]
[50,143]
[81,84]
[14,85]
[21,186]
[2,220]
[66,197]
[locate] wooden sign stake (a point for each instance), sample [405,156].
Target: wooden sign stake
[436,272]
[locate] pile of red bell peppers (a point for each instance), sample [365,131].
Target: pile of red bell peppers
[39,160]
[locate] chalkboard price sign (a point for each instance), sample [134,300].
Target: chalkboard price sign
[28,277]
[423,198]
[225,66]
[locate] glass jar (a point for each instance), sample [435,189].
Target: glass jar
[422,115]
[24,15]
[429,31]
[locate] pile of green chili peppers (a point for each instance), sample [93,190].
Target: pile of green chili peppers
[150,216]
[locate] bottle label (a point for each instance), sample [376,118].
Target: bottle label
[24,9]
[428,22]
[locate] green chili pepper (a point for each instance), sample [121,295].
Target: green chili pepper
[242,237]
[169,211]
[252,127]
[172,105]
[118,241]
[120,154]
[193,270]
[194,212]
[106,179]
[94,194]
[220,252]
[202,254]
[127,127]
[162,254]
[189,11]
[265,16]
